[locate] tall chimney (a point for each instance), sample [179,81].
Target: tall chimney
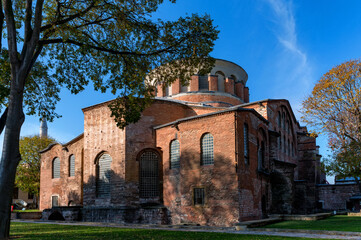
[43,128]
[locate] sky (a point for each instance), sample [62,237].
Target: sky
[284,46]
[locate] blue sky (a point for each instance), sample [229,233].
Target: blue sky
[285,47]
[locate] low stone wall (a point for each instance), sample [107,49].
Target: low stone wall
[62,213]
[143,215]
[148,215]
[26,215]
[354,214]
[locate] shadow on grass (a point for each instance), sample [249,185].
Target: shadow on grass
[54,231]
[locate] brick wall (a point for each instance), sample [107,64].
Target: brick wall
[219,179]
[66,188]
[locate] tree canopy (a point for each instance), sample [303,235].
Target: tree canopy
[28,171]
[334,108]
[116,45]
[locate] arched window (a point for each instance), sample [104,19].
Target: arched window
[279,120]
[245,143]
[207,149]
[174,154]
[56,168]
[149,174]
[103,175]
[283,120]
[221,78]
[72,166]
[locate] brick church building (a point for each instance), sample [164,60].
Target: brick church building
[200,154]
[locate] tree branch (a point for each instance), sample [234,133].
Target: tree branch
[10,22]
[104,49]
[59,22]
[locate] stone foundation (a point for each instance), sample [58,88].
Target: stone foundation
[143,215]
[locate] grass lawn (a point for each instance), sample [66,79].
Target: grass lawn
[334,223]
[28,210]
[58,232]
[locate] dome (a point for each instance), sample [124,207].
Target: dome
[224,86]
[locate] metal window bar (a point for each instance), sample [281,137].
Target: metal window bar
[56,168]
[72,166]
[246,147]
[199,196]
[207,149]
[54,201]
[149,175]
[203,83]
[104,176]
[174,154]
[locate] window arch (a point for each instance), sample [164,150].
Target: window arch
[221,78]
[56,168]
[72,165]
[246,143]
[149,174]
[103,175]
[174,154]
[207,157]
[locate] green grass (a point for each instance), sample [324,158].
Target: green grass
[335,223]
[59,232]
[28,210]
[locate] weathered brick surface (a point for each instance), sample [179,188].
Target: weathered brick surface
[336,196]
[235,190]
[66,188]
[213,100]
[219,179]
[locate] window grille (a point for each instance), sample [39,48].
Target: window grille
[56,168]
[174,154]
[149,175]
[104,176]
[207,149]
[54,201]
[279,119]
[261,151]
[72,166]
[198,196]
[203,83]
[246,144]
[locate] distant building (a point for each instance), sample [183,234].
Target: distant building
[200,154]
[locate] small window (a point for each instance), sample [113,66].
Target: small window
[246,144]
[71,166]
[56,168]
[207,149]
[174,154]
[279,120]
[203,83]
[30,196]
[199,196]
[54,201]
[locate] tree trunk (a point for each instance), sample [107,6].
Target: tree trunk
[10,158]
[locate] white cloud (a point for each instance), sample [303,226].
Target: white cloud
[293,67]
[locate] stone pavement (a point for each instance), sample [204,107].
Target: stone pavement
[317,234]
